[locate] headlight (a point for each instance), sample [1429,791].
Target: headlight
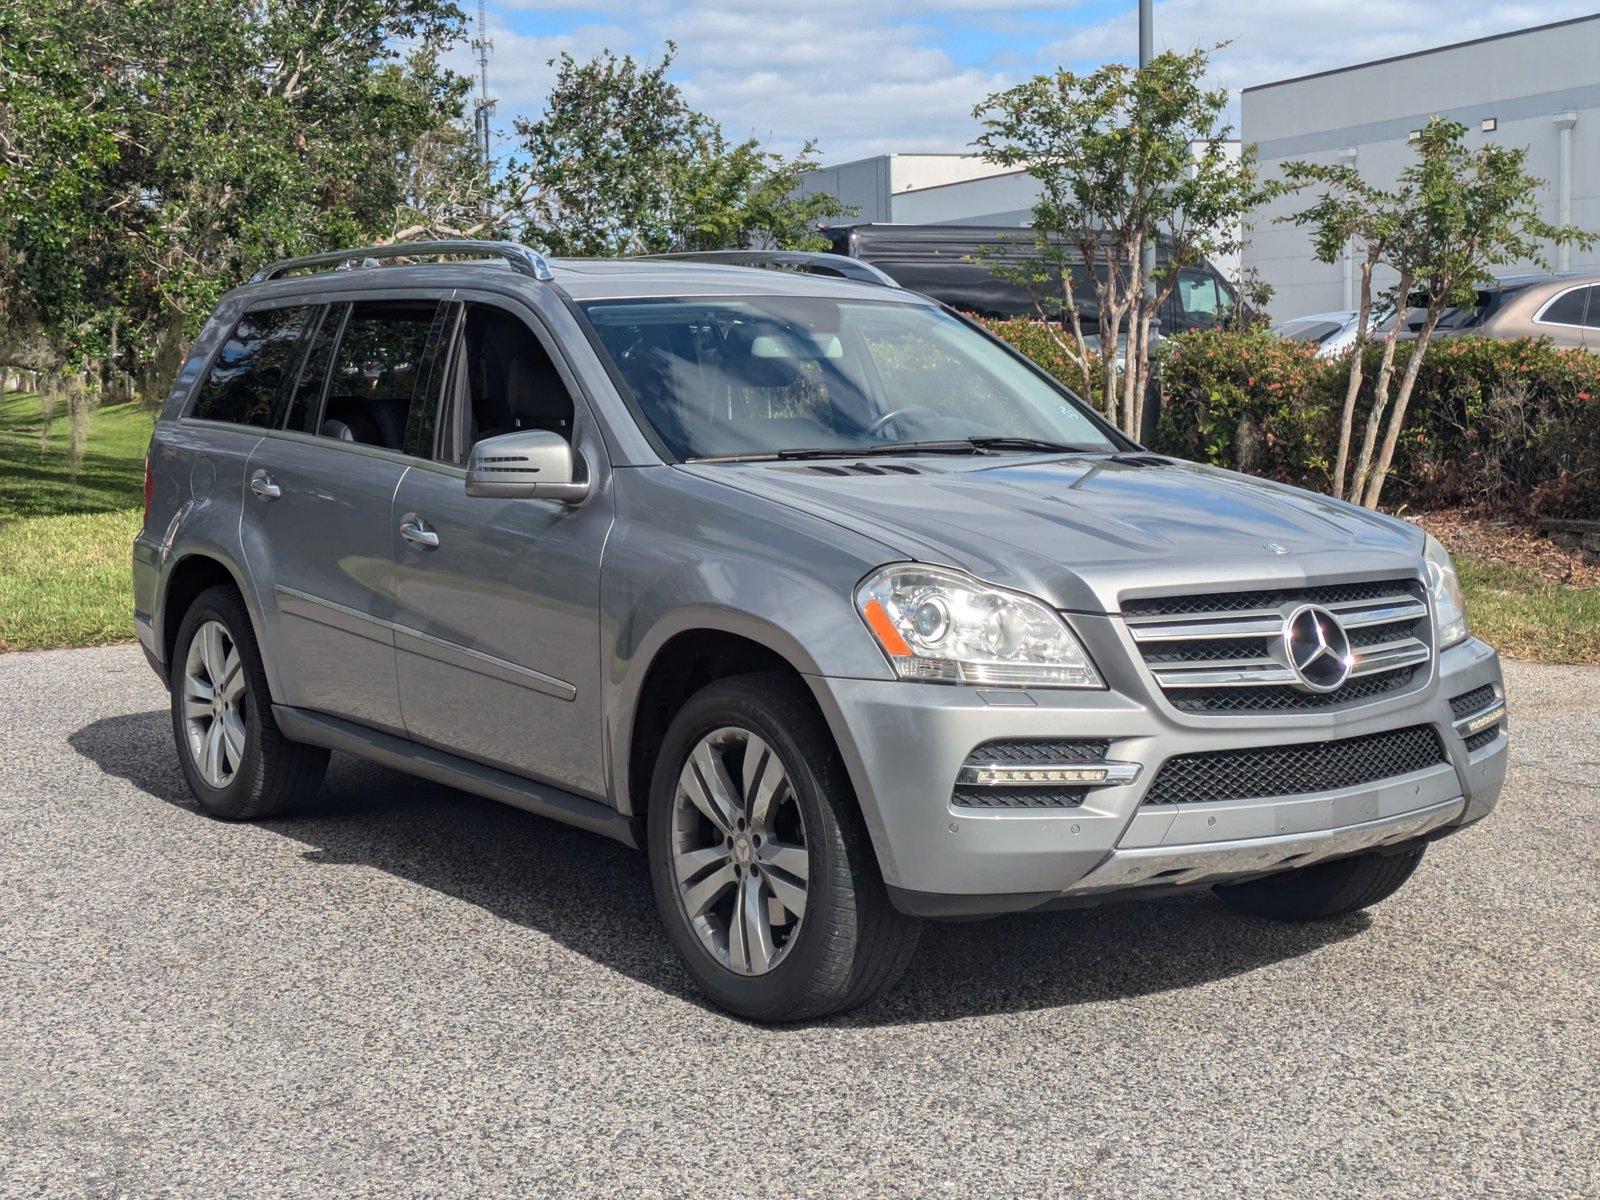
[938,624]
[1444,590]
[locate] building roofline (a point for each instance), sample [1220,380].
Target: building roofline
[1378,62]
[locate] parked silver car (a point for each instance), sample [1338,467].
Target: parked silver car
[843,610]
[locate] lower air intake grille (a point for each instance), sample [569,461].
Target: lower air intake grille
[1019,797]
[1021,752]
[1482,738]
[1295,770]
[1470,702]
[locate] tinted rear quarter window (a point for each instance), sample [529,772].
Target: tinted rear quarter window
[246,382]
[1567,309]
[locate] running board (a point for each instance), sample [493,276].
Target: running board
[440,766]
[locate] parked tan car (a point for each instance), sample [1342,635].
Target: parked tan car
[1564,308]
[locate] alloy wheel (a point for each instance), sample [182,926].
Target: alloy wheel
[739,851]
[214,700]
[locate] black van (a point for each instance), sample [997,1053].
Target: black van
[950,264]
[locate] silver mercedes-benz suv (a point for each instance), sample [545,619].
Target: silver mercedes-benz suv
[844,611]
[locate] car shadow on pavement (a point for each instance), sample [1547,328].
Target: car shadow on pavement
[593,895]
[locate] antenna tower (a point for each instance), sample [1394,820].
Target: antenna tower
[483,107]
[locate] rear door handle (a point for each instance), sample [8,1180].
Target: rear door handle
[265,486]
[418,532]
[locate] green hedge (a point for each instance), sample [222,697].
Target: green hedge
[1512,427]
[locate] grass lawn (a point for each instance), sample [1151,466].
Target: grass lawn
[1524,615]
[64,548]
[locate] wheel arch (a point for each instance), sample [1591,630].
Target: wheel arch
[186,579]
[679,663]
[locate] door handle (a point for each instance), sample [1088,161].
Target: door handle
[265,486]
[418,532]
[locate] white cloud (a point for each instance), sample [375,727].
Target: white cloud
[1269,40]
[869,76]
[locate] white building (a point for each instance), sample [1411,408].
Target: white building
[1538,88]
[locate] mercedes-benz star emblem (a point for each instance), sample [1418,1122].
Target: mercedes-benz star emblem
[1318,648]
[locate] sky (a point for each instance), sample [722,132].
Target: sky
[864,77]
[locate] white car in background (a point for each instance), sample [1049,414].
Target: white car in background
[1331,332]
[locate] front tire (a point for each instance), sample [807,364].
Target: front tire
[238,763]
[763,870]
[1324,890]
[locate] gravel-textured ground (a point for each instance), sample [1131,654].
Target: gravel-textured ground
[417,993]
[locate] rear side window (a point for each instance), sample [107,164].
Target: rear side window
[384,360]
[246,383]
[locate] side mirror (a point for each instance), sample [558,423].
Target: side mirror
[531,464]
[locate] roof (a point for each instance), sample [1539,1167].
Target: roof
[585,279]
[1394,58]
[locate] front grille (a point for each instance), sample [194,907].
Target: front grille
[1295,770]
[1189,605]
[1289,699]
[1476,700]
[1022,751]
[1224,653]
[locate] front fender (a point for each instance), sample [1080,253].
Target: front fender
[689,554]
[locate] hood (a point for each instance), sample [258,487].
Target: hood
[1086,532]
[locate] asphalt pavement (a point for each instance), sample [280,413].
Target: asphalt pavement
[410,992]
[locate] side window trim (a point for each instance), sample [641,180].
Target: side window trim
[1539,317]
[309,340]
[431,390]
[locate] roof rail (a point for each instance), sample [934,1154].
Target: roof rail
[521,259]
[806,261]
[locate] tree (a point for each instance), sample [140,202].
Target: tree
[618,163]
[1465,213]
[152,154]
[1124,158]
[1352,212]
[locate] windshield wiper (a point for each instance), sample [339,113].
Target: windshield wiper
[796,452]
[1028,443]
[971,445]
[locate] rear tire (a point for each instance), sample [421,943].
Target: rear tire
[744,948]
[1324,890]
[238,763]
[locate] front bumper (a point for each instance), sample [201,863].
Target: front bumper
[904,743]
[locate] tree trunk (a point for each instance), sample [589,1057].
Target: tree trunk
[1110,339]
[1347,417]
[1130,370]
[1380,396]
[1391,437]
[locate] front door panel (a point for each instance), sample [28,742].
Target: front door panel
[320,557]
[497,629]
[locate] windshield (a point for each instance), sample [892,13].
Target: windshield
[766,375]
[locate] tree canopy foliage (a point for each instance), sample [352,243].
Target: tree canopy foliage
[153,152]
[1124,158]
[619,163]
[1453,217]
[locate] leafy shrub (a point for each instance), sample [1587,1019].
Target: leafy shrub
[1047,346]
[1509,426]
